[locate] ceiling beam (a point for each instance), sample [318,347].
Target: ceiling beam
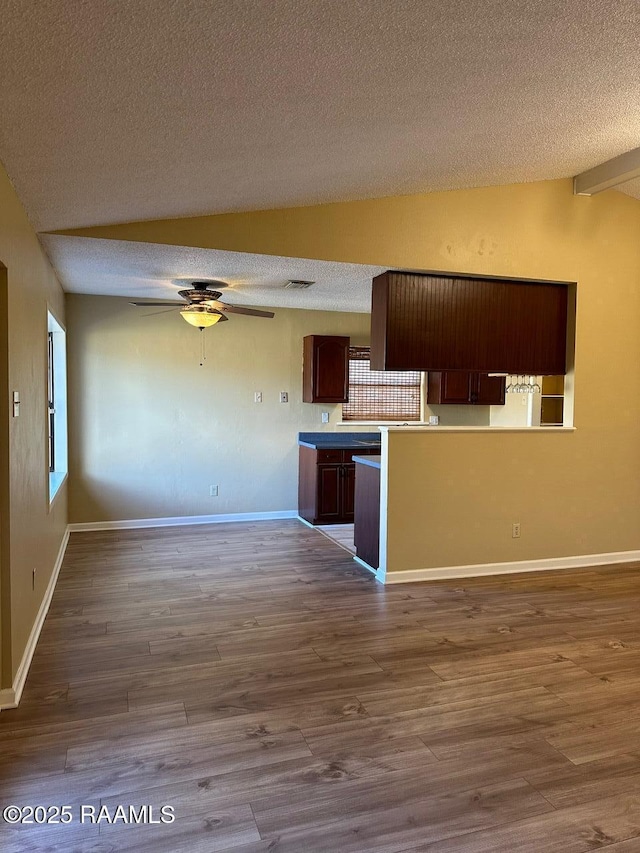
[609,174]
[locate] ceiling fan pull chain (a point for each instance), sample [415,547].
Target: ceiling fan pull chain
[203,351]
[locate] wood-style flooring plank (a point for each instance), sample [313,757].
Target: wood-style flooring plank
[258,680]
[611,824]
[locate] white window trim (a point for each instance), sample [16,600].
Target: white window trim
[57,477]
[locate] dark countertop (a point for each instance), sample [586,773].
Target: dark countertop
[339,441]
[371,461]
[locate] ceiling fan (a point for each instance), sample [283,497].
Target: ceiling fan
[203,308]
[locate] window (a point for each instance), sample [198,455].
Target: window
[381,395]
[52,408]
[56,404]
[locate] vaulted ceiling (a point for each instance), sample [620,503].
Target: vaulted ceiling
[144,109]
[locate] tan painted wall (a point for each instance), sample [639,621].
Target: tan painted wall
[151,430]
[35,532]
[5,504]
[574,493]
[453,497]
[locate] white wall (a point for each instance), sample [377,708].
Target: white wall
[151,430]
[517,411]
[459,415]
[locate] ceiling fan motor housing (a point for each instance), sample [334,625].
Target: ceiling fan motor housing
[196,295]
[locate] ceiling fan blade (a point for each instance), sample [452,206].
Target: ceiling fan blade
[152,304]
[155,313]
[238,309]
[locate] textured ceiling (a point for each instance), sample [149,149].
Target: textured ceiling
[121,110]
[117,110]
[151,271]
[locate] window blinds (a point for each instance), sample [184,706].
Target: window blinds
[380,395]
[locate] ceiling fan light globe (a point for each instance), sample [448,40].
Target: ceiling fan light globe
[200,316]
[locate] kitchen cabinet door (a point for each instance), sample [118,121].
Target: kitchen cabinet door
[325,369]
[459,387]
[348,491]
[329,507]
[452,387]
[490,390]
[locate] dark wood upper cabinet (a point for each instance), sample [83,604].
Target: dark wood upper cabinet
[453,387]
[442,323]
[463,388]
[490,390]
[325,369]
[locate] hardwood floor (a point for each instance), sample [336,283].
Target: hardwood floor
[341,534]
[257,680]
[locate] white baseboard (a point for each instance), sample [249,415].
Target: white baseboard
[180,520]
[374,572]
[7,699]
[451,572]
[10,697]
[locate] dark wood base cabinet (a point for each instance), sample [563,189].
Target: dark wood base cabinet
[326,485]
[366,531]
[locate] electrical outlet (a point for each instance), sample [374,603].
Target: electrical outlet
[434,420]
[257,397]
[213,491]
[515,530]
[325,417]
[284,397]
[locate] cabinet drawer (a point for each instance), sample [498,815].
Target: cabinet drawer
[330,455]
[366,451]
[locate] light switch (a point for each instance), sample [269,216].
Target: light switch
[16,410]
[16,396]
[257,397]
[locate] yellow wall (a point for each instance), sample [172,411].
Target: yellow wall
[452,498]
[492,230]
[5,503]
[35,533]
[151,430]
